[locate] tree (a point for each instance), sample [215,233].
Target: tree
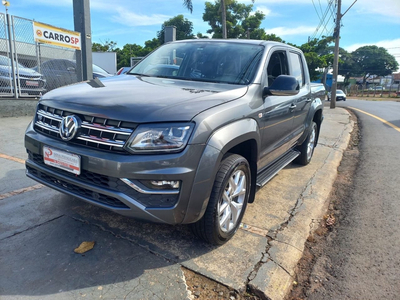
[107,46]
[152,44]
[272,37]
[184,28]
[188,4]
[319,57]
[367,61]
[238,19]
[130,50]
[346,65]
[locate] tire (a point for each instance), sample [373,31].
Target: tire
[307,147]
[228,201]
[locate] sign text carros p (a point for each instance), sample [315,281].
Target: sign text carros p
[47,34]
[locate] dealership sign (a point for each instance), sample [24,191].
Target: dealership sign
[56,36]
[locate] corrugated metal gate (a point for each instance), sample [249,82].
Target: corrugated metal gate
[38,67]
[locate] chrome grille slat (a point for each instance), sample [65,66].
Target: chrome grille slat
[109,129]
[102,141]
[49,115]
[96,132]
[47,126]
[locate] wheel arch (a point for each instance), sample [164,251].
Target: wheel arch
[240,137]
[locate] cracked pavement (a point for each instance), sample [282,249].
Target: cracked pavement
[39,228]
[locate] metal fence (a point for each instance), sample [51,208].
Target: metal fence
[38,67]
[387,91]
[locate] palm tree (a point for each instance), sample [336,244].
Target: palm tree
[223,11]
[188,4]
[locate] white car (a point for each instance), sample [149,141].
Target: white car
[340,95]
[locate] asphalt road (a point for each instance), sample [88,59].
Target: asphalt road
[364,256]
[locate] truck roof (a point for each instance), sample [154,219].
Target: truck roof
[241,41]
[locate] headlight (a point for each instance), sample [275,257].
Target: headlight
[160,138]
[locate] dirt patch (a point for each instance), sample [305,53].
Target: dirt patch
[314,268]
[202,287]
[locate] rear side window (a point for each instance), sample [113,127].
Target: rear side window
[297,67]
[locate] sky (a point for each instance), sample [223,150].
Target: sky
[367,22]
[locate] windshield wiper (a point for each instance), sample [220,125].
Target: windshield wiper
[138,74]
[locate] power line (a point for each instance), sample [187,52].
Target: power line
[316,9]
[324,20]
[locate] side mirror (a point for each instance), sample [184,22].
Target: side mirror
[283,85]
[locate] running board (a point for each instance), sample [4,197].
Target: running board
[267,174]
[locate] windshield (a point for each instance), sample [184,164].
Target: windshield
[98,69]
[234,63]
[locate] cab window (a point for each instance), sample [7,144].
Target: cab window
[297,67]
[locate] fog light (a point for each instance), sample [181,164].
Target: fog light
[165,184]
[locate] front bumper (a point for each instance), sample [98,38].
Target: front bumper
[101,179]
[23,86]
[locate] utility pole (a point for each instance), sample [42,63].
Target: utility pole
[13,85]
[82,24]
[336,35]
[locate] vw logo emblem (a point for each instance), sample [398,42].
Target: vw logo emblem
[69,127]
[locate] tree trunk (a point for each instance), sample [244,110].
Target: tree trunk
[223,12]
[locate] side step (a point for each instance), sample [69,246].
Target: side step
[266,175]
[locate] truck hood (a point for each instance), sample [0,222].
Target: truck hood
[142,99]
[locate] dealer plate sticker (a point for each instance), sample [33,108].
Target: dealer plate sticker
[62,160]
[32,83]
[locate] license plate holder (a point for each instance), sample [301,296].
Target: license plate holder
[32,83]
[62,160]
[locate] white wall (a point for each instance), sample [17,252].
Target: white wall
[106,60]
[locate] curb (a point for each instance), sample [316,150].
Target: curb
[276,275]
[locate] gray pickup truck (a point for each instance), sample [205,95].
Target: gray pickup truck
[185,137]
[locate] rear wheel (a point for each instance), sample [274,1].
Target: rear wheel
[227,203]
[307,147]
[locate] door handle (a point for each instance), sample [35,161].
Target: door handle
[292,106]
[308,100]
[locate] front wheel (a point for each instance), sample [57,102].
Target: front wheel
[228,201]
[307,147]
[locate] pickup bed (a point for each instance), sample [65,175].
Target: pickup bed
[185,137]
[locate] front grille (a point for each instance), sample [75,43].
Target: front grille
[112,183]
[34,83]
[95,132]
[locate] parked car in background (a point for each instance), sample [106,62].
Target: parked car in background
[377,88]
[340,95]
[60,72]
[123,70]
[29,81]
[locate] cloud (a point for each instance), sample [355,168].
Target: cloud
[285,31]
[278,2]
[387,8]
[392,46]
[265,10]
[52,2]
[129,18]
[388,44]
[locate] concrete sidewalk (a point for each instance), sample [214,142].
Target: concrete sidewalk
[40,227]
